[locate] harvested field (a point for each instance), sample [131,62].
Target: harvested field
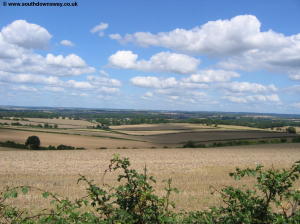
[159,127]
[89,142]
[192,170]
[62,123]
[177,127]
[95,138]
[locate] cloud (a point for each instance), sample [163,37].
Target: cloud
[248,87]
[207,76]
[220,37]
[53,89]
[99,29]
[20,64]
[162,62]
[115,36]
[26,35]
[273,98]
[104,81]
[293,89]
[70,60]
[95,84]
[190,90]
[78,84]
[295,77]
[154,82]
[108,90]
[184,97]
[171,89]
[147,95]
[25,88]
[54,84]
[29,78]
[194,81]
[57,65]
[18,41]
[239,42]
[8,50]
[296,105]
[67,43]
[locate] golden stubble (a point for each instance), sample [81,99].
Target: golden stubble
[193,170]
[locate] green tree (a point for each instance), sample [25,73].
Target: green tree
[33,142]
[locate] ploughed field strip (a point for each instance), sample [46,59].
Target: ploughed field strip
[208,136]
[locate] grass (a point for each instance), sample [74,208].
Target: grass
[193,170]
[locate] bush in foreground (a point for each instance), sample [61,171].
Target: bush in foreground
[272,199]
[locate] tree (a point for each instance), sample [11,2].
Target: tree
[33,142]
[291,130]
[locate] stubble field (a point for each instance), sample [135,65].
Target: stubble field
[193,170]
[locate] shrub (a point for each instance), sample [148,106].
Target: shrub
[65,147]
[80,148]
[283,140]
[291,130]
[51,147]
[190,144]
[296,139]
[33,142]
[103,148]
[12,144]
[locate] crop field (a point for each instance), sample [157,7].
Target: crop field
[133,136]
[62,123]
[193,171]
[88,142]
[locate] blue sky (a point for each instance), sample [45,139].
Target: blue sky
[171,55]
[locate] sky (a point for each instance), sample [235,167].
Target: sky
[193,55]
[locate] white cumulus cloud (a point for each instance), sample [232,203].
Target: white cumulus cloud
[26,35]
[249,87]
[161,62]
[207,76]
[67,43]
[100,29]
[295,77]
[220,37]
[239,42]
[154,82]
[273,98]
